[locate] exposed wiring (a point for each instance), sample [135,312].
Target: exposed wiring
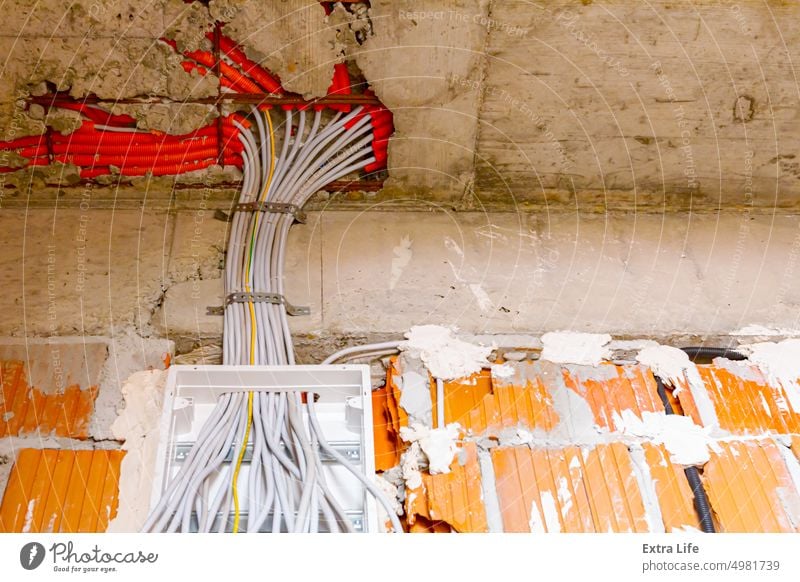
[285,479]
[701,504]
[389,347]
[235,480]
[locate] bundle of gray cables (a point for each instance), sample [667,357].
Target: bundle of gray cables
[285,487]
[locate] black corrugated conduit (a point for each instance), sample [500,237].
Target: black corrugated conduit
[701,504]
[697,352]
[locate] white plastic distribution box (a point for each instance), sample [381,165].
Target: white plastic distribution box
[344,409]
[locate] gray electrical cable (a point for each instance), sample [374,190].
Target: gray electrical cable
[394,345]
[284,477]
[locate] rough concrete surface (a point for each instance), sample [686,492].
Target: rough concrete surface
[672,103]
[293,39]
[409,61]
[599,105]
[368,273]
[81,272]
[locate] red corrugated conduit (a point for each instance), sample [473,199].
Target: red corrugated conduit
[136,153]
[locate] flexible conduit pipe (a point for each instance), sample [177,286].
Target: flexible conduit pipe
[703,352]
[701,503]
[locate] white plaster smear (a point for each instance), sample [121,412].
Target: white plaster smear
[482,298]
[536,523]
[551,513]
[503,371]
[138,426]
[647,487]
[668,363]
[516,437]
[760,330]
[780,363]
[415,394]
[446,356]
[687,443]
[485,302]
[390,491]
[675,368]
[438,444]
[402,256]
[409,467]
[569,347]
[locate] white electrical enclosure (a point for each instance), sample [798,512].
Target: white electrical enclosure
[343,406]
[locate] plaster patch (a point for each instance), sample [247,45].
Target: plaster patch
[485,302]
[503,371]
[516,437]
[390,490]
[780,363]
[551,514]
[536,523]
[415,396]
[666,362]
[446,356]
[647,487]
[760,330]
[567,347]
[438,444]
[576,420]
[687,443]
[402,256]
[491,502]
[409,467]
[564,495]
[138,426]
[26,527]
[675,368]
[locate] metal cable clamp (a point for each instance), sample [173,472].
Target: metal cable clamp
[276,207]
[259,297]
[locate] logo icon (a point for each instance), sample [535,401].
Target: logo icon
[31,555]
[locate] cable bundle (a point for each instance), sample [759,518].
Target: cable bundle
[278,433]
[98,148]
[285,485]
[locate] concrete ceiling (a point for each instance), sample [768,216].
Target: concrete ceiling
[594,106]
